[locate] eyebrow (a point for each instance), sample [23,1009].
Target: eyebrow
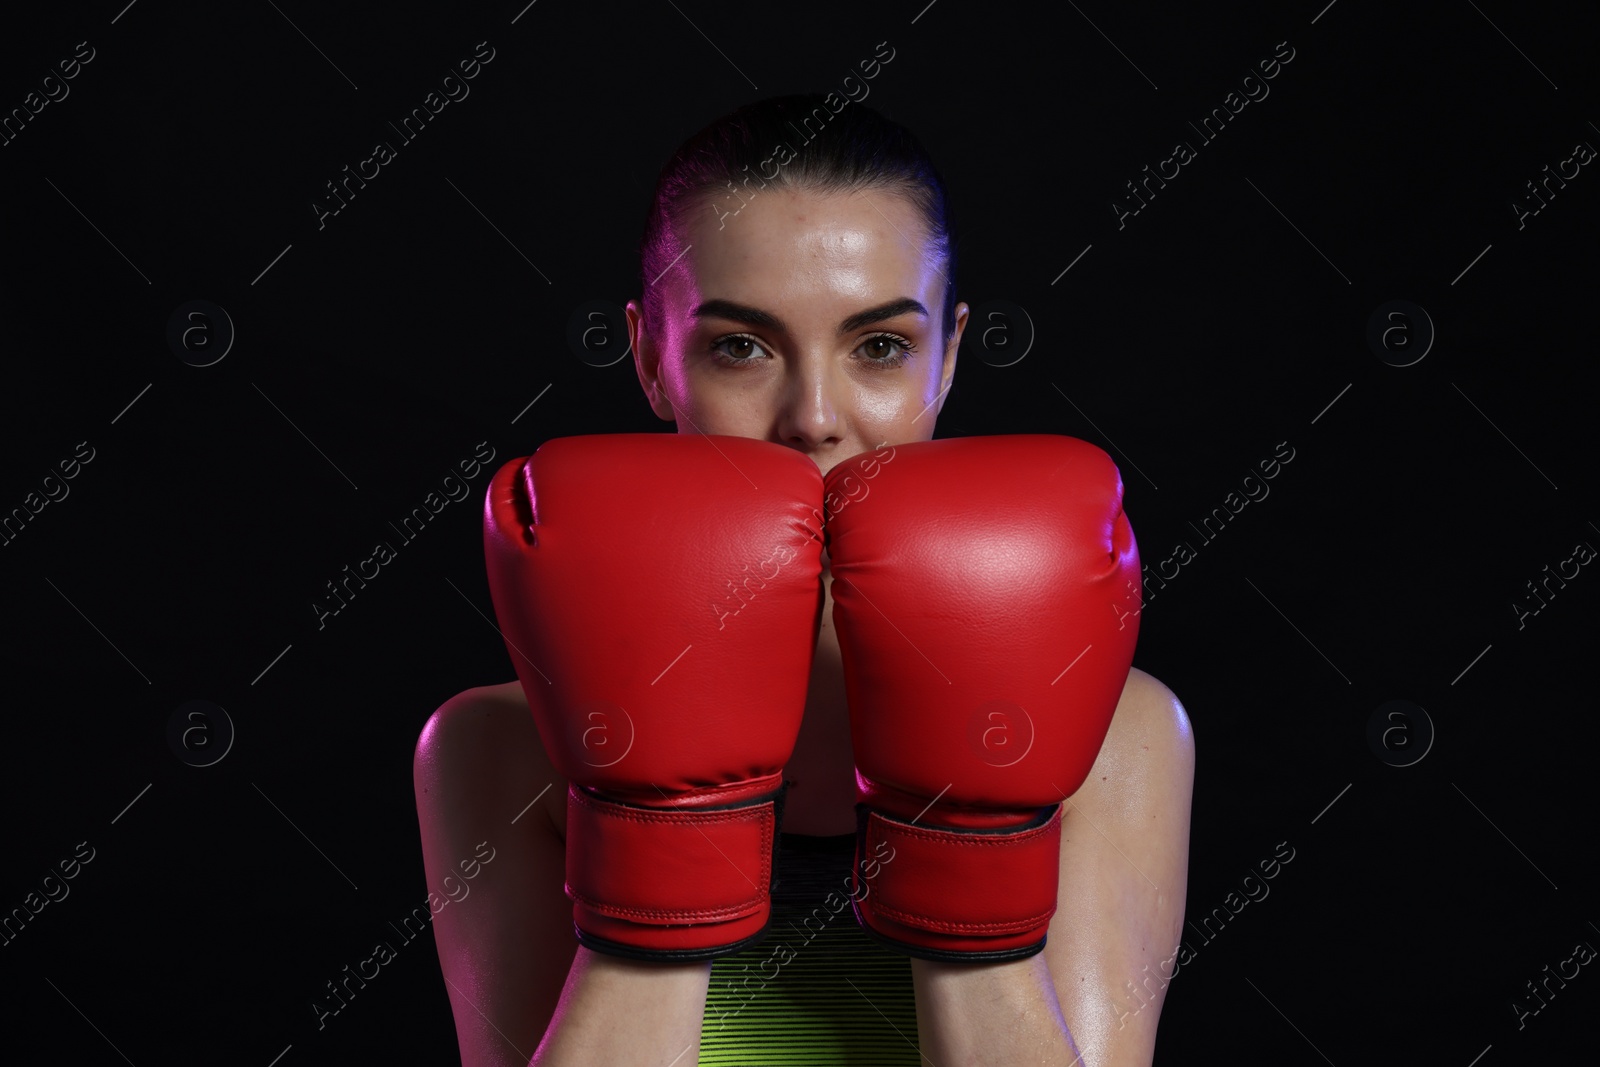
[727,309]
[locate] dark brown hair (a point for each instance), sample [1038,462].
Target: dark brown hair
[828,152]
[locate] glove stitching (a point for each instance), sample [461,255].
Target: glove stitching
[1009,926]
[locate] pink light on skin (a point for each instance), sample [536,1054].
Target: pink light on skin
[813,321]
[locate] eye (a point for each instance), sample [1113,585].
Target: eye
[880,351]
[737,341]
[884,356]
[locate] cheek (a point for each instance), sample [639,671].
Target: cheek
[721,403]
[888,408]
[901,408]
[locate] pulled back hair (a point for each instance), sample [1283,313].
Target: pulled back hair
[853,149]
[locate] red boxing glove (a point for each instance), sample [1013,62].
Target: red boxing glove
[660,595]
[980,588]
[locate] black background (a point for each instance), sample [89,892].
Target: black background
[1230,315]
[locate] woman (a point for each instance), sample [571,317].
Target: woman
[804,296]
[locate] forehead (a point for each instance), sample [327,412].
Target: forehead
[799,245]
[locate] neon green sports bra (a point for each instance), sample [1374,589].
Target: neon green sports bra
[818,990]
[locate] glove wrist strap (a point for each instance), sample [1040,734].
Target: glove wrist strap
[956,894]
[670,884]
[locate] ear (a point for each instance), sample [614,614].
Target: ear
[647,362]
[948,373]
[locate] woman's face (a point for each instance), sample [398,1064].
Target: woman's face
[810,320]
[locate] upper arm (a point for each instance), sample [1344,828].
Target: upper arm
[495,868]
[1124,877]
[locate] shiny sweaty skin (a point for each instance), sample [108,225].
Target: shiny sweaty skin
[820,382]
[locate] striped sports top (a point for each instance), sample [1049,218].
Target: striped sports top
[818,990]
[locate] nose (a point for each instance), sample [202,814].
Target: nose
[808,418]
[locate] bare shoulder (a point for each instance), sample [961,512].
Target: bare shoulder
[485,737]
[462,720]
[1150,713]
[1149,741]
[495,699]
